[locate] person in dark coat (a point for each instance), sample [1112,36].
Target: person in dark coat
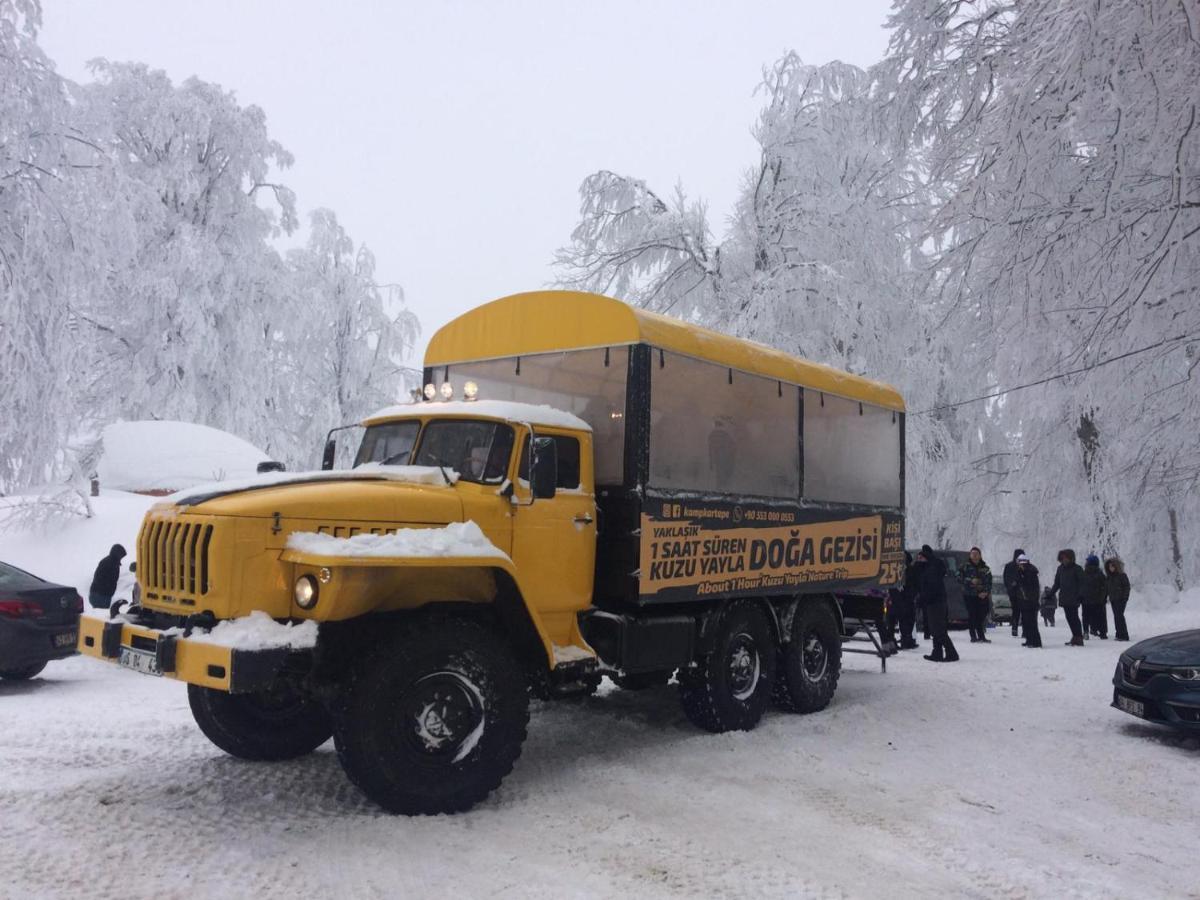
[1029,592]
[1049,605]
[1067,587]
[976,580]
[904,607]
[931,589]
[1118,594]
[104,582]
[1095,590]
[1010,584]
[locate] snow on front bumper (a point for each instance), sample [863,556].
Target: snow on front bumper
[228,658]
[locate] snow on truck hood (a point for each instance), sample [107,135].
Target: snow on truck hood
[528,413]
[455,539]
[431,475]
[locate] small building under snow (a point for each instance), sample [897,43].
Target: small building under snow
[160,457]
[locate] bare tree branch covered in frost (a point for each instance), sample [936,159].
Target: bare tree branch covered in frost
[139,279]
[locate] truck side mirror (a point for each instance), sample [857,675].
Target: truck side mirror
[543,468]
[270,465]
[329,454]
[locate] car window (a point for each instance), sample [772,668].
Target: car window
[477,451]
[951,564]
[12,577]
[568,461]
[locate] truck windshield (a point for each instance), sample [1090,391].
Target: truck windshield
[477,451]
[389,444]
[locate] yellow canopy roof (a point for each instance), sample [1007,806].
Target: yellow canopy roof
[547,321]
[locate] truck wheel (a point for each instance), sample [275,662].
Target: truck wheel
[274,724]
[729,688]
[812,661]
[640,681]
[22,674]
[433,721]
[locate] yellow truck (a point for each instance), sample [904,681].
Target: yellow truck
[586,488]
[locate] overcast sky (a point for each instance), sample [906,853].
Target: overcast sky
[451,137]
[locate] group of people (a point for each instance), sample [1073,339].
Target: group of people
[1084,593]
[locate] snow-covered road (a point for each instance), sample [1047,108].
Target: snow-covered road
[1004,775]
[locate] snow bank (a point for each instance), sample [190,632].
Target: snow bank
[166,455]
[257,631]
[456,539]
[408,474]
[511,411]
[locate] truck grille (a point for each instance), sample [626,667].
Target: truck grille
[173,556]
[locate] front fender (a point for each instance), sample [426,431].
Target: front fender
[353,586]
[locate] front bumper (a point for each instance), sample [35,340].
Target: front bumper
[1162,699]
[24,643]
[155,652]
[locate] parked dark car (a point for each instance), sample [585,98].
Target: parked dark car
[956,606]
[39,621]
[1158,680]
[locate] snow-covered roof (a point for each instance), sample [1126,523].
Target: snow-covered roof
[167,455]
[528,413]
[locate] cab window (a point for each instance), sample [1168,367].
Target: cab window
[389,444]
[477,451]
[568,461]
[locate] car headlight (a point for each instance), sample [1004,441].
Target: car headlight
[1188,673]
[305,592]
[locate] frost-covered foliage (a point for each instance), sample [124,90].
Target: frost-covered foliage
[1012,194]
[817,260]
[1062,148]
[357,334]
[139,277]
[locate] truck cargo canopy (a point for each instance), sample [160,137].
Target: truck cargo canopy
[547,321]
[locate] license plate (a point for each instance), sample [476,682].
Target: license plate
[139,660]
[1133,707]
[66,639]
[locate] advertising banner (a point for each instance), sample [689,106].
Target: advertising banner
[701,548]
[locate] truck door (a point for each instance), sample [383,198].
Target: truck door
[554,539]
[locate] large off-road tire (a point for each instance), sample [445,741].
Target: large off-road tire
[278,723]
[640,681]
[434,720]
[22,674]
[811,661]
[730,686]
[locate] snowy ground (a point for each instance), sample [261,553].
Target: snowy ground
[1004,775]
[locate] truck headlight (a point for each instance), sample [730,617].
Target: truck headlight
[1186,674]
[305,592]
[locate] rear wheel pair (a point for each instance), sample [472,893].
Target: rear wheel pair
[729,688]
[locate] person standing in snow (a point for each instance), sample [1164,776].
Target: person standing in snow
[1068,584]
[905,606]
[1048,606]
[1029,593]
[1010,584]
[1118,594]
[1095,590]
[976,580]
[931,588]
[104,582]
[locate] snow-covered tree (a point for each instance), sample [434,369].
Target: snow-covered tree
[1062,141]
[40,270]
[352,334]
